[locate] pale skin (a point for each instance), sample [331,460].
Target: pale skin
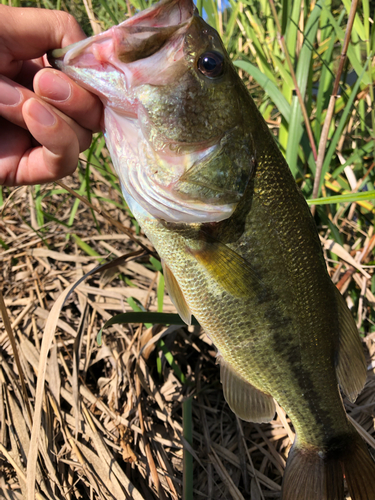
[46,119]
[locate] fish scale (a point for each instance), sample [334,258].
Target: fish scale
[306,274]
[268,358]
[239,247]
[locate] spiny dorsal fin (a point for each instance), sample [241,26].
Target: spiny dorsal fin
[227,267]
[351,363]
[175,294]
[244,399]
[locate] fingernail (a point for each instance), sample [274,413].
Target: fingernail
[9,95]
[53,87]
[40,113]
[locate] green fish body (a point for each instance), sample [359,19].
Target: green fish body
[240,251]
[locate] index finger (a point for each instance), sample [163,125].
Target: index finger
[28,33]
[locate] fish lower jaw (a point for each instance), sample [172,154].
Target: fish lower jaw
[163,205]
[163,202]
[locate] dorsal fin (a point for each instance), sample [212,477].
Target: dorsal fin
[351,363]
[244,399]
[175,294]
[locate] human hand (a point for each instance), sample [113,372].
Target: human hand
[41,133]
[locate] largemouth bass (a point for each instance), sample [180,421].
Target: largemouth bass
[203,176]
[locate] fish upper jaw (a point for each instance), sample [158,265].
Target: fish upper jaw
[112,57]
[165,13]
[136,49]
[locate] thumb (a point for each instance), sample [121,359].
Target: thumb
[29,33]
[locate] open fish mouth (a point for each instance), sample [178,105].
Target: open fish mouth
[158,21]
[144,49]
[145,71]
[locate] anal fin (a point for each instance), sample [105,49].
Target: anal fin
[247,402]
[175,294]
[351,364]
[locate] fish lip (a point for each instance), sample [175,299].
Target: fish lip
[52,58]
[56,55]
[61,52]
[187,10]
[66,54]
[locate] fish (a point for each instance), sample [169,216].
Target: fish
[203,176]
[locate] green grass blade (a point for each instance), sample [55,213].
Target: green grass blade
[255,36]
[147,317]
[340,127]
[285,76]
[355,157]
[134,305]
[302,73]
[76,203]
[199,4]
[4,245]
[268,86]
[358,27]
[187,418]
[137,307]
[156,264]
[87,249]
[286,9]
[335,232]
[89,156]
[169,357]
[211,10]
[160,292]
[38,206]
[343,198]
[50,217]
[291,33]
[231,24]
[109,11]
[352,56]
[326,79]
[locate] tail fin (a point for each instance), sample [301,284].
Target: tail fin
[311,475]
[308,476]
[359,470]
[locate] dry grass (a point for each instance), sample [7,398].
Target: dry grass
[111,421]
[112,424]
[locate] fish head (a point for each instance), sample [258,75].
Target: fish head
[173,117]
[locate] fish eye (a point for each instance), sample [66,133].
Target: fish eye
[211,64]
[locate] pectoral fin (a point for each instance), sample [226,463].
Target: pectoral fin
[245,400]
[176,295]
[228,268]
[351,365]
